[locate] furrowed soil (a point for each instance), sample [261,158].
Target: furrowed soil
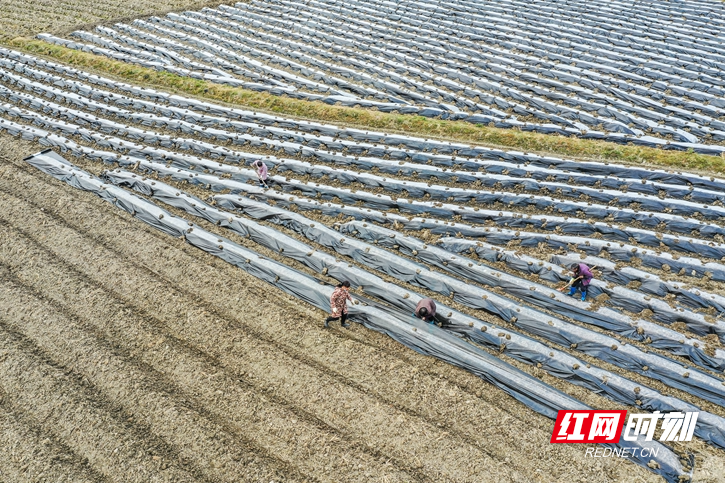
[19,18]
[127,355]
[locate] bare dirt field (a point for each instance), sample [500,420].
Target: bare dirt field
[21,18]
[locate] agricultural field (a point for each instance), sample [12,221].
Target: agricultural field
[604,70]
[162,313]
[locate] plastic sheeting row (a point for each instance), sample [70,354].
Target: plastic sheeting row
[558,272]
[459,152]
[276,90]
[460,76]
[421,337]
[362,35]
[453,80]
[513,344]
[210,42]
[416,189]
[506,309]
[542,296]
[686,266]
[170,114]
[401,84]
[692,127]
[649,283]
[526,35]
[622,138]
[706,95]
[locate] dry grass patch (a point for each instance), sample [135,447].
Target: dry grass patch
[369,119]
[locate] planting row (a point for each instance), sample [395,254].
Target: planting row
[490,67]
[424,338]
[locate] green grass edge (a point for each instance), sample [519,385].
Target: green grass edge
[570,147]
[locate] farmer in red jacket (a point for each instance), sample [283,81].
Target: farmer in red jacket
[338,304]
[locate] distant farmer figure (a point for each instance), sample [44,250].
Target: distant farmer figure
[426,310]
[261,170]
[582,276]
[338,304]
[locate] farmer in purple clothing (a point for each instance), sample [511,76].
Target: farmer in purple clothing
[426,310]
[582,277]
[261,170]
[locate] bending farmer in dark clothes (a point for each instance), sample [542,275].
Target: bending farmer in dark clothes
[582,277]
[426,310]
[338,304]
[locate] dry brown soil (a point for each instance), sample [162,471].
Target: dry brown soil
[23,18]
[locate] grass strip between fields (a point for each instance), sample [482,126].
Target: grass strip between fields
[420,126]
